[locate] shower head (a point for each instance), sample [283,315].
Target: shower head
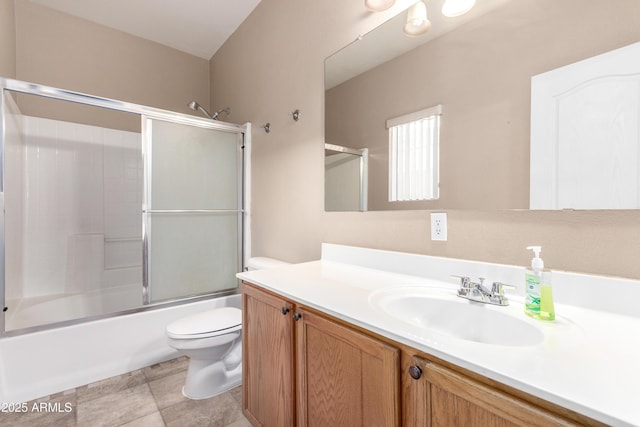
[226,110]
[195,107]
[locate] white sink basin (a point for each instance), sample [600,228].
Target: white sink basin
[440,310]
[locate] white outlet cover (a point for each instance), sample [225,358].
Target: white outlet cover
[439,226]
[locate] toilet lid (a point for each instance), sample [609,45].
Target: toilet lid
[218,321]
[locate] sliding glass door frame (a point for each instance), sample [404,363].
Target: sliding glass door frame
[146,113]
[148,210]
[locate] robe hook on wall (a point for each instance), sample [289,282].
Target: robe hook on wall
[296,115]
[267,127]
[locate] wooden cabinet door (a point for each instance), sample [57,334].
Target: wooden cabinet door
[443,397]
[345,378]
[267,352]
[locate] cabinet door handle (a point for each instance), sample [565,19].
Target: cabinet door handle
[297,316]
[415,372]
[285,310]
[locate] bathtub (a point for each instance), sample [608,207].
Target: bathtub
[44,311]
[40,363]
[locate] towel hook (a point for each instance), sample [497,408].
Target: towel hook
[267,127]
[296,115]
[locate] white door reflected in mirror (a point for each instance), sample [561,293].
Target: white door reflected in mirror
[585,133]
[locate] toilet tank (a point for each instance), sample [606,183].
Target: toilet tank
[260,263]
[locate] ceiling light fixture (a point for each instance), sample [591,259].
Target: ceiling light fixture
[378,5]
[453,8]
[417,22]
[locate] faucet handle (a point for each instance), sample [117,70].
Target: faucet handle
[465,282]
[498,288]
[465,286]
[497,293]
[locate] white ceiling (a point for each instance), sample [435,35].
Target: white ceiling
[197,27]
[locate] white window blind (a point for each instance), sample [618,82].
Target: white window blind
[413,155]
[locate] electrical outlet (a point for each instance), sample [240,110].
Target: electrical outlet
[439,226]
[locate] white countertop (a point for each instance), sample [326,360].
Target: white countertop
[588,362]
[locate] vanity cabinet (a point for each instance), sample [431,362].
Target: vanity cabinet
[267,359]
[343,377]
[304,368]
[437,396]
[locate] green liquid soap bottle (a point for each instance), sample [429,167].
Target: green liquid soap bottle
[538,298]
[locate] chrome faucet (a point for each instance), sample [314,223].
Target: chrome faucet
[479,293]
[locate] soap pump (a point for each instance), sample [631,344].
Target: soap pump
[538,296]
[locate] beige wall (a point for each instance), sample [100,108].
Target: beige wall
[485,127]
[59,50]
[273,64]
[7,40]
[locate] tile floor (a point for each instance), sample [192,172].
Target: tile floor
[149,397]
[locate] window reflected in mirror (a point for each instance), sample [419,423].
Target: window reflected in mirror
[414,141]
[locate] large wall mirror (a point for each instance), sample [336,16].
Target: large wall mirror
[478,68]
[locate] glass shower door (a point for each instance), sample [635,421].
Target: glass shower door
[193,210]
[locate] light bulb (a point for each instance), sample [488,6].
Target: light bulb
[417,22]
[453,8]
[378,5]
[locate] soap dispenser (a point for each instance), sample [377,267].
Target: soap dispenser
[538,299]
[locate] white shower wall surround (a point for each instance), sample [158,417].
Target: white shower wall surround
[82,198]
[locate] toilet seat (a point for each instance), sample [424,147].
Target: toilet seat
[219,321]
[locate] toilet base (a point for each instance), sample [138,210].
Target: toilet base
[205,380]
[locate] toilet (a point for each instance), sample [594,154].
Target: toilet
[213,342]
